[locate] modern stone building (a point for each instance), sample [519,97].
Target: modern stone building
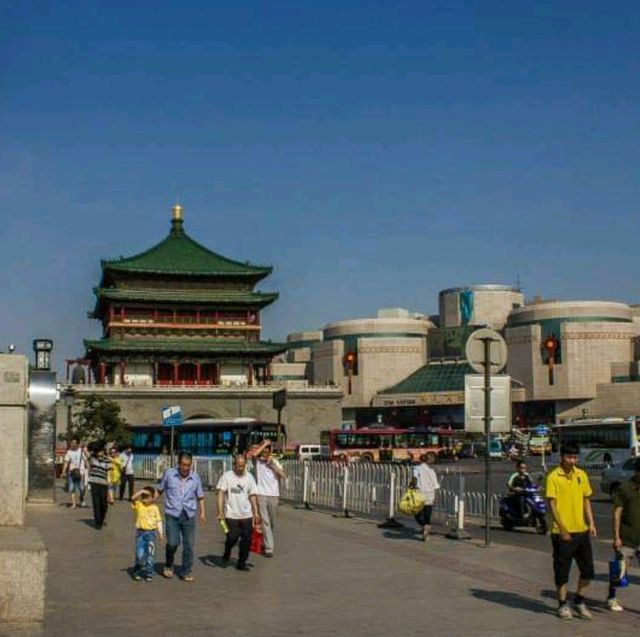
[362,356]
[567,359]
[593,367]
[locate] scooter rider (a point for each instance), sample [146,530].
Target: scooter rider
[517,483]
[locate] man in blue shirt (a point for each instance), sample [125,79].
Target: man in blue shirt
[183,495]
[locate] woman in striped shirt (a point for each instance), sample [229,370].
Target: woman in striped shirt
[99,466]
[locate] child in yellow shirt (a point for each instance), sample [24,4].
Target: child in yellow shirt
[148,529]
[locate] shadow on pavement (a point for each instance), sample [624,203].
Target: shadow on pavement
[214,561]
[88,522]
[402,533]
[512,600]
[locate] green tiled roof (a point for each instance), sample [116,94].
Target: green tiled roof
[180,345]
[180,254]
[433,378]
[253,299]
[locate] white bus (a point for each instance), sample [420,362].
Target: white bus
[601,442]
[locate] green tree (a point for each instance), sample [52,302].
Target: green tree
[99,418]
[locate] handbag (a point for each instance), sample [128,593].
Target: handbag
[256,541]
[618,572]
[75,474]
[412,502]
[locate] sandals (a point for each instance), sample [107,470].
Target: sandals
[168,573]
[187,578]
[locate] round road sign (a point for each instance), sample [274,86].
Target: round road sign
[476,354]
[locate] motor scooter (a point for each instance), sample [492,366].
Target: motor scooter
[532,515]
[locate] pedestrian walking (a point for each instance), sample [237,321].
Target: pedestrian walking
[238,509]
[426,482]
[99,465]
[148,530]
[126,463]
[568,491]
[268,472]
[626,528]
[115,474]
[73,469]
[84,471]
[183,496]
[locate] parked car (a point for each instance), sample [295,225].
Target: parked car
[614,476]
[472,450]
[312,452]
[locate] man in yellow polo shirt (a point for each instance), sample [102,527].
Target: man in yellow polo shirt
[568,491]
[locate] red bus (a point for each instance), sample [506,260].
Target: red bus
[378,444]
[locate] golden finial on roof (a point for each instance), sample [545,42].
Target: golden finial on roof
[177,212]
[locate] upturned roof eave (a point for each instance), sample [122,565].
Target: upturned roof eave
[249,273]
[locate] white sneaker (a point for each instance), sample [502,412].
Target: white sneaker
[614,605]
[582,611]
[564,612]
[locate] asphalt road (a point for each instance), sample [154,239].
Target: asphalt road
[500,471]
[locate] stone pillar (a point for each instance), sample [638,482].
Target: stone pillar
[13,451]
[23,557]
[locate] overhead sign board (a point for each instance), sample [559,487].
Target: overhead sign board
[475,351]
[172,416]
[474,403]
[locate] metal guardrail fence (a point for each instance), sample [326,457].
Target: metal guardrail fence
[366,489]
[151,467]
[375,489]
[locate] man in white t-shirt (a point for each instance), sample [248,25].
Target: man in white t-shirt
[73,469]
[426,481]
[268,472]
[238,507]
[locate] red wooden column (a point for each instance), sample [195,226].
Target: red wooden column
[102,372]
[198,374]
[250,374]
[123,371]
[155,373]
[216,373]
[175,373]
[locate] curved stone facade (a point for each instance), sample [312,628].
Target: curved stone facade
[377,327]
[593,337]
[492,304]
[593,311]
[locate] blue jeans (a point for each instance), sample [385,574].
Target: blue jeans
[145,552]
[182,528]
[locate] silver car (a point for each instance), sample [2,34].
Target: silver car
[613,477]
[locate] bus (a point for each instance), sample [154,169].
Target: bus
[382,444]
[204,436]
[601,442]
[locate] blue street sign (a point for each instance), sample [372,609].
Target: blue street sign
[172,416]
[542,430]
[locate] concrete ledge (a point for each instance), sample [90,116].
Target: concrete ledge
[23,570]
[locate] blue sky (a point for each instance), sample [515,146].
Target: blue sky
[373,152]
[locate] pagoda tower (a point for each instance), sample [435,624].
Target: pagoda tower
[180,314]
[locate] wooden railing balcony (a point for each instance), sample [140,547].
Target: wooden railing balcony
[182,322]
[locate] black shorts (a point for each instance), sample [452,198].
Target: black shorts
[578,548]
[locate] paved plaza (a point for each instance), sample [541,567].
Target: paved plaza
[331,576]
